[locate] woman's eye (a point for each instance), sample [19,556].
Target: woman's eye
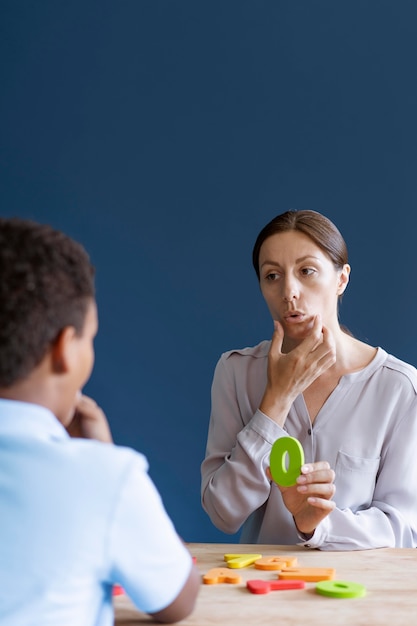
[272,276]
[308,271]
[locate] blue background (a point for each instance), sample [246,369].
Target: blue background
[164,135]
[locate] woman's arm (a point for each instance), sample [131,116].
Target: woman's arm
[234,481]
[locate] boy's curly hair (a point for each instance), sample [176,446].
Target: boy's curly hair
[46,282]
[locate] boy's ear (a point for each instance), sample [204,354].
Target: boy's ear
[61,350]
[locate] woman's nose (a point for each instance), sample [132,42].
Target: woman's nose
[290,291]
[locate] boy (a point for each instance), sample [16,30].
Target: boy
[77,514]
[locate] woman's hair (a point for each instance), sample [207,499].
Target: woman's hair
[46,284]
[313,224]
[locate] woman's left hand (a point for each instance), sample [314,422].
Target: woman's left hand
[310,500]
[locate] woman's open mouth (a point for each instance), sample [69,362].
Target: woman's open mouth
[294,317]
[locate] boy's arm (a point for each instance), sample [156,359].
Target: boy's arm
[184,603]
[90,422]
[146,555]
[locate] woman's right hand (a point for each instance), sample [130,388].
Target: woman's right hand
[310,500]
[289,374]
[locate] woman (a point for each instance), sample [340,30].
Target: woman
[353,408]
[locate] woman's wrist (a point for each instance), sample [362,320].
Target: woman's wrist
[276,409]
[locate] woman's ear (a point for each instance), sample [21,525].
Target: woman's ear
[61,350]
[343,279]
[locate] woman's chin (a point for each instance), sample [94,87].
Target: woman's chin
[298,332]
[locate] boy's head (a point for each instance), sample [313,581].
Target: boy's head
[46,286]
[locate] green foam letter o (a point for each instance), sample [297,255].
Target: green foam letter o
[283,447]
[340,589]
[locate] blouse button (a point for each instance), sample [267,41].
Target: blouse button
[309,431]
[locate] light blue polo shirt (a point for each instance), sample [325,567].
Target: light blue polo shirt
[77,516]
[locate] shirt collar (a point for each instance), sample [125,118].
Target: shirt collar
[29,420]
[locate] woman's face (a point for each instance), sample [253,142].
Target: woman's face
[298,281]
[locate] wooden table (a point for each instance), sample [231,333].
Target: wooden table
[389,575]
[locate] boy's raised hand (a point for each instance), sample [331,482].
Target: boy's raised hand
[89,421]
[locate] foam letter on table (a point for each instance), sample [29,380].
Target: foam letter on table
[275,562]
[241,560]
[309,574]
[340,589]
[281,449]
[265,586]
[221,575]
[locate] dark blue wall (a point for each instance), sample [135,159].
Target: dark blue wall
[163,135]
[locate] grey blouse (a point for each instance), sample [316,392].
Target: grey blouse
[366,430]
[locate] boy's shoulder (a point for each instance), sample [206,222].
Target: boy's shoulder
[106,460]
